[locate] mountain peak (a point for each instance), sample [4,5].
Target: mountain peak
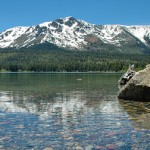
[69,18]
[69,21]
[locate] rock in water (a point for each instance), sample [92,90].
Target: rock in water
[138,87]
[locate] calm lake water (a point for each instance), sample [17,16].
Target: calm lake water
[70,111]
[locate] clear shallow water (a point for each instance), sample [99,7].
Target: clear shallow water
[69,111]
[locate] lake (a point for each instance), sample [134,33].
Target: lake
[62,111]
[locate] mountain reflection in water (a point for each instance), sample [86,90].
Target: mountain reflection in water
[60,111]
[72,102]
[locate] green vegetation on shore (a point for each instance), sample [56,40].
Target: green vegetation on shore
[68,61]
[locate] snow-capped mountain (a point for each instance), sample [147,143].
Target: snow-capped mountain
[76,34]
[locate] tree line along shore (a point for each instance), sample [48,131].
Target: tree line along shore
[69,61]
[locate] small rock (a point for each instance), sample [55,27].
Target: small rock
[48,148]
[111,146]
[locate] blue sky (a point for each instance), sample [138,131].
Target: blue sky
[32,12]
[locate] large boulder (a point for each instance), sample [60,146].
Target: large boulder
[138,87]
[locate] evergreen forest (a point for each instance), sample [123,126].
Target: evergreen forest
[45,60]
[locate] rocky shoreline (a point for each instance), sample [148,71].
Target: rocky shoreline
[137,87]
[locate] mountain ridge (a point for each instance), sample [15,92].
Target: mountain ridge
[72,34]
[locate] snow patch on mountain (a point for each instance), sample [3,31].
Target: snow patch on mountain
[139,31]
[8,37]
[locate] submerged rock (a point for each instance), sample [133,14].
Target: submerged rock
[138,87]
